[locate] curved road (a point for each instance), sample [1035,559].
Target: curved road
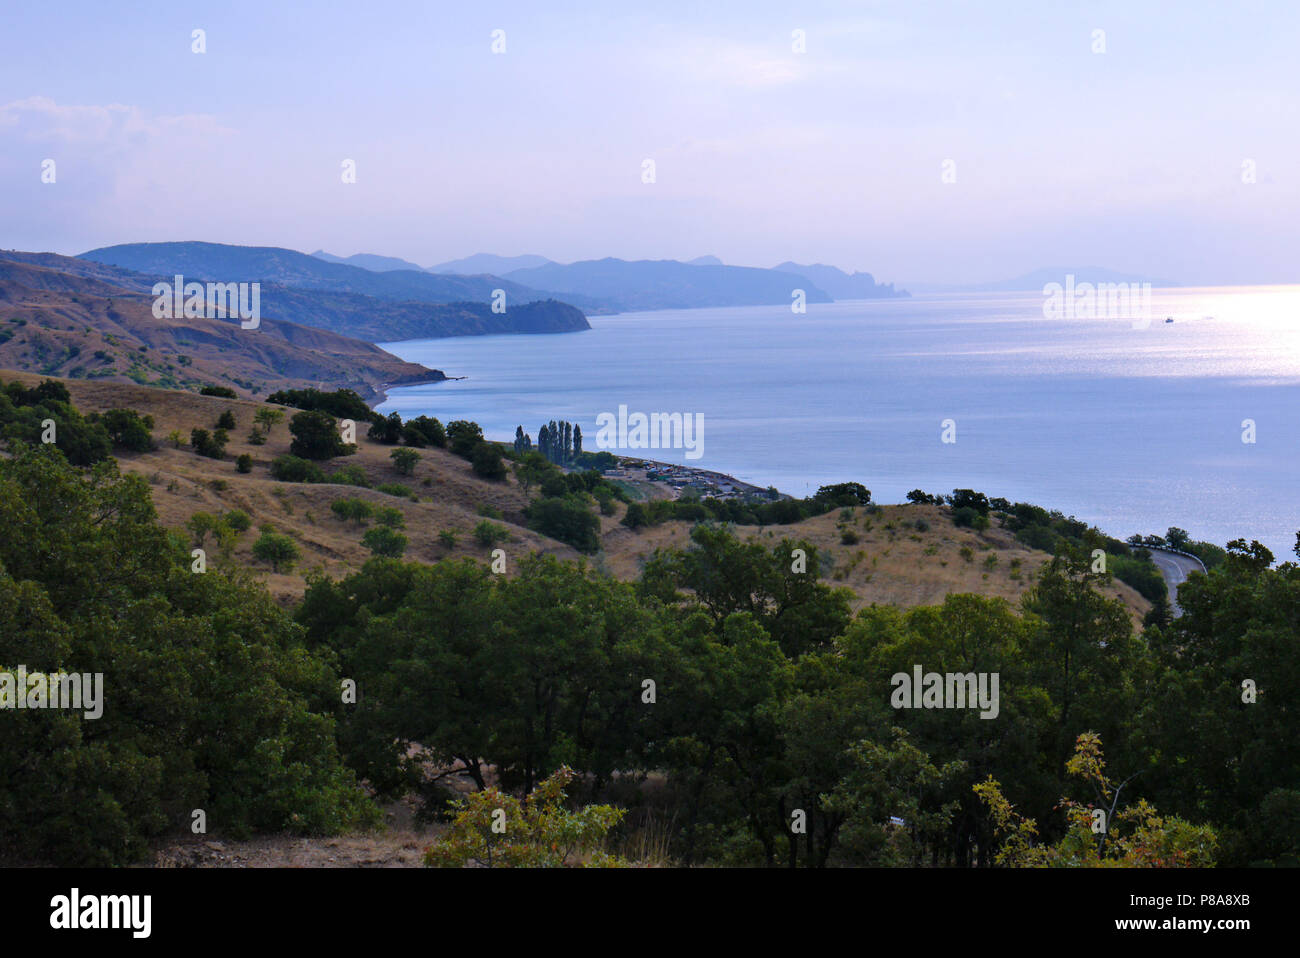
[1175,568]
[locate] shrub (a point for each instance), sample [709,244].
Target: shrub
[352,475]
[448,538]
[226,420]
[293,469]
[464,437]
[636,516]
[566,518]
[355,509]
[404,460]
[244,463]
[390,517]
[316,436]
[487,461]
[848,537]
[541,831]
[237,519]
[127,429]
[489,534]
[395,489]
[223,392]
[211,445]
[383,541]
[279,550]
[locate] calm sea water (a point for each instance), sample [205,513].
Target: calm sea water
[1134,430]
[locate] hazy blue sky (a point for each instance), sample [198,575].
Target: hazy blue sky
[1130,159]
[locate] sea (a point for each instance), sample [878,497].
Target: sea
[1133,425]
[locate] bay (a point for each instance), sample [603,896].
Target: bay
[1133,429]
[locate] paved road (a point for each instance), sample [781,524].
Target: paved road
[1175,569]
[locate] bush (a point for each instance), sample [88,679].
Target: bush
[237,519]
[848,537]
[964,517]
[226,420]
[464,437]
[352,475]
[487,461]
[293,469]
[541,832]
[383,541]
[223,392]
[127,429]
[316,436]
[395,489]
[404,460]
[448,538]
[388,516]
[567,519]
[636,516]
[355,509]
[211,445]
[244,463]
[423,431]
[279,550]
[489,534]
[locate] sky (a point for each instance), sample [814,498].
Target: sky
[931,142]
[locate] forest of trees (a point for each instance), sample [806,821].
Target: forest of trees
[728,701]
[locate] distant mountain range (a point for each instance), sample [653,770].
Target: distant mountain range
[488,263]
[595,286]
[1039,278]
[271,264]
[842,285]
[378,264]
[669,284]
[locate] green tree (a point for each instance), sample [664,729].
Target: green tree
[279,550]
[385,541]
[358,510]
[464,437]
[487,461]
[316,436]
[404,460]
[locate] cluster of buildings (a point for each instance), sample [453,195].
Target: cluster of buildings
[681,478]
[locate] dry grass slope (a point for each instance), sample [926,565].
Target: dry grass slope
[895,560]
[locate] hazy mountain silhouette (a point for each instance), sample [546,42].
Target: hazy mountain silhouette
[669,284]
[377,264]
[489,263]
[843,285]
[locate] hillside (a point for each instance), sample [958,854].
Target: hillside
[219,262]
[271,264]
[61,324]
[897,560]
[348,314]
